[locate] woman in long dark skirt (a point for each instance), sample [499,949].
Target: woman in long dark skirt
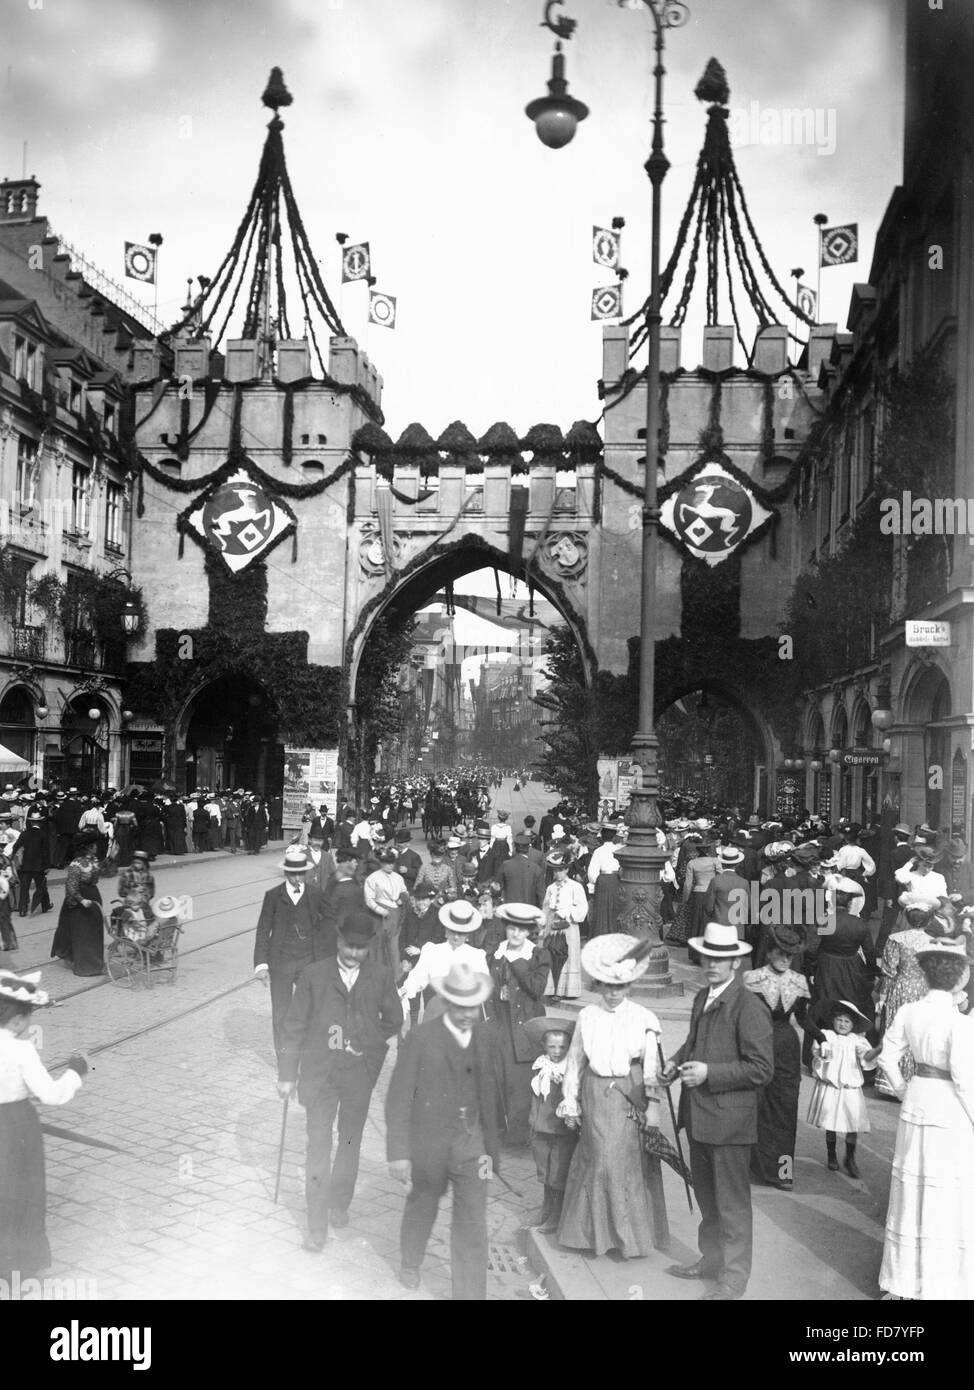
[520,970]
[603,878]
[787,995]
[125,827]
[840,961]
[152,832]
[23,1193]
[174,819]
[80,935]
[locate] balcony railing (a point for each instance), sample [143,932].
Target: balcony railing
[82,650]
[29,642]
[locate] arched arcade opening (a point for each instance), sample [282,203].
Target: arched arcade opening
[434,697]
[714,749]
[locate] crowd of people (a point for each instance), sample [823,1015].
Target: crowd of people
[497,923]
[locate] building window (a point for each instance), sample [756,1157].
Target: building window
[110,418]
[80,500]
[868,447]
[113,517]
[26,361]
[845,480]
[825,505]
[20,573]
[77,396]
[26,474]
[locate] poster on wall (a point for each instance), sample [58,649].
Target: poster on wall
[310,774]
[958,794]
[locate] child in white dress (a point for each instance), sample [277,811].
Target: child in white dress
[838,1063]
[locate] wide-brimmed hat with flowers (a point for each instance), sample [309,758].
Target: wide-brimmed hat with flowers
[460,916]
[463,985]
[604,958]
[944,946]
[22,988]
[719,941]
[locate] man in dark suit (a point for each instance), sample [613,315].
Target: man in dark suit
[724,1062]
[66,819]
[521,880]
[408,862]
[34,863]
[291,933]
[442,1128]
[344,1011]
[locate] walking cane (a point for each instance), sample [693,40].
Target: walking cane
[676,1131]
[280,1155]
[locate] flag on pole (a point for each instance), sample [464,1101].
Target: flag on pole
[807,301]
[605,247]
[382,309]
[356,262]
[607,302]
[140,262]
[840,245]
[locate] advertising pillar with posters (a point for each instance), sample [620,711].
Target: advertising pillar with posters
[310,775]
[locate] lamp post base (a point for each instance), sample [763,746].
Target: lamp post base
[640,864]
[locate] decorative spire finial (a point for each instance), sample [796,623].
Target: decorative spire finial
[275,93]
[712,86]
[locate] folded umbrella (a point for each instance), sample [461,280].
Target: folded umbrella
[58,1133]
[656,1144]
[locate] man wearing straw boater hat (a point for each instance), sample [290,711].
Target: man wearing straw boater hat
[724,1062]
[442,1129]
[290,935]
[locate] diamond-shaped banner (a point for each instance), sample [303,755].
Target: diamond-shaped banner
[239,520]
[840,245]
[382,309]
[713,514]
[356,262]
[140,262]
[807,301]
[607,302]
[605,247]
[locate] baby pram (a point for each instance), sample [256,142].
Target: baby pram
[140,946]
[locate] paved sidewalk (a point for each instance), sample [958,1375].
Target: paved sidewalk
[821,1242]
[188,1211]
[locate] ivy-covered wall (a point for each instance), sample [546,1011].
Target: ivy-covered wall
[306,697]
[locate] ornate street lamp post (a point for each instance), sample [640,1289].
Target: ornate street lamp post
[641,860]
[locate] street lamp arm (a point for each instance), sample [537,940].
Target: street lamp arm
[563,27]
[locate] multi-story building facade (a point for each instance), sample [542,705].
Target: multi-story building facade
[887,726]
[65,508]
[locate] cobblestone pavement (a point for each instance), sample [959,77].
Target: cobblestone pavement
[183,1080]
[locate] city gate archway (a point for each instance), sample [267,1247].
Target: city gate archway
[715,748]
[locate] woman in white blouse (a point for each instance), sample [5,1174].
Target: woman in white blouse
[614,1193]
[929,1247]
[23,1196]
[385,893]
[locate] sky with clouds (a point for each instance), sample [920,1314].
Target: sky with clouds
[408,130]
